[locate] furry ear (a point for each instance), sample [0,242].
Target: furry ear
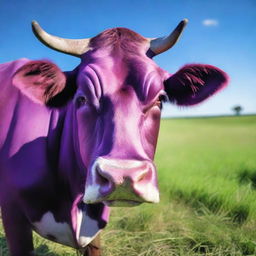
[194,83]
[39,80]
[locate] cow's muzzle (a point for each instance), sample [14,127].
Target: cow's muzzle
[121,182]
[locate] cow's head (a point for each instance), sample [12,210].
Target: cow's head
[115,96]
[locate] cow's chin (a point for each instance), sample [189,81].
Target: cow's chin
[121,203]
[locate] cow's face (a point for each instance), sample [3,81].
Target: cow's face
[115,100]
[118,107]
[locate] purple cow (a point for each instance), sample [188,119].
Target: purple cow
[74,143]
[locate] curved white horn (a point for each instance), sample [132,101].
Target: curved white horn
[162,44]
[75,47]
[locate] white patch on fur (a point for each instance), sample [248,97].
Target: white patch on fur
[150,194]
[85,240]
[91,194]
[79,219]
[61,231]
[87,229]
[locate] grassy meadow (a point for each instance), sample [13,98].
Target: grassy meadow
[207,179]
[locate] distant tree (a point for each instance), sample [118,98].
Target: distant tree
[237,109]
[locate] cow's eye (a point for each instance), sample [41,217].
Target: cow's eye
[159,103]
[81,101]
[160,100]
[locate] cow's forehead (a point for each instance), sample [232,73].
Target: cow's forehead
[110,74]
[117,60]
[121,39]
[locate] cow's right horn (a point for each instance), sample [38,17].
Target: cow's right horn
[75,47]
[162,44]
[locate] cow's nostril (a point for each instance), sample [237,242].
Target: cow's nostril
[104,180]
[102,177]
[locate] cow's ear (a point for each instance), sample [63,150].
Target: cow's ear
[41,81]
[194,83]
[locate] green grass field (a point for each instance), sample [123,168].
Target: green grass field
[207,178]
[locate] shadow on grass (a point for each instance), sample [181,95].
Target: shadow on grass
[201,248]
[200,199]
[3,247]
[247,247]
[43,250]
[247,177]
[206,247]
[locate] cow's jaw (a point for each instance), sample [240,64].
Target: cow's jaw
[118,182]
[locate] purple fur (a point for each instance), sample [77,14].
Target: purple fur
[119,38]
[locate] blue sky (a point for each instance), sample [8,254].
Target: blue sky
[220,33]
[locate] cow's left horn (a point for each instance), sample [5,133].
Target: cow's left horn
[162,44]
[75,47]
